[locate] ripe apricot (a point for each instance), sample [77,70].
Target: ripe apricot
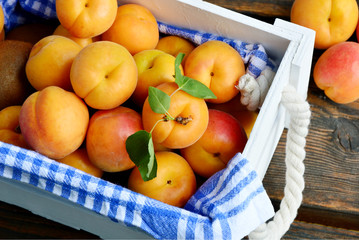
[154,67]
[50,62]
[175,182]
[135,28]
[9,126]
[106,138]
[2,20]
[54,121]
[218,66]
[175,45]
[79,159]
[104,74]
[83,42]
[190,112]
[86,18]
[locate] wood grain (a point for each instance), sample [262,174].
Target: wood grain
[259,8]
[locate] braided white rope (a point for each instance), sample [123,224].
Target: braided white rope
[253,91]
[299,111]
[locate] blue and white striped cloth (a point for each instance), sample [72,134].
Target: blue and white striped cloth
[231,204]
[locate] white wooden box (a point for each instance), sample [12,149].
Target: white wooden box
[289,45]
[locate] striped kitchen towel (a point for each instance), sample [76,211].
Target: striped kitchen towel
[229,205]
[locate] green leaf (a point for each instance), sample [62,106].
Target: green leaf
[196,88]
[140,148]
[159,101]
[190,85]
[178,73]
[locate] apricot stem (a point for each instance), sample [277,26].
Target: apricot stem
[183,120]
[175,91]
[160,120]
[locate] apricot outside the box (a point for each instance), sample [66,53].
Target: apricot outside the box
[218,66]
[64,119]
[106,138]
[172,134]
[86,19]
[104,74]
[333,21]
[337,73]
[54,56]
[175,182]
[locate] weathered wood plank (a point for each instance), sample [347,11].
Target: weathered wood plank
[303,230]
[264,8]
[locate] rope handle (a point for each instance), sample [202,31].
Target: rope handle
[300,114]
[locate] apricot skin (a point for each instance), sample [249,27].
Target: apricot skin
[172,134]
[54,121]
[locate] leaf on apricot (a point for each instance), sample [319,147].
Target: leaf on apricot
[159,101]
[190,85]
[140,148]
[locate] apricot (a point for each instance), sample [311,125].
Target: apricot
[174,45]
[79,159]
[104,74]
[106,138]
[2,20]
[50,61]
[218,66]
[83,42]
[191,116]
[174,184]
[333,21]
[9,126]
[223,138]
[54,121]
[154,67]
[135,28]
[86,18]
[336,72]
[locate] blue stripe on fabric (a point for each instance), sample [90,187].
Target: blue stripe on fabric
[114,204]
[130,207]
[99,198]
[226,230]
[240,208]
[50,182]
[208,230]
[82,191]
[191,226]
[254,70]
[66,188]
[235,191]
[17,167]
[34,172]
[228,178]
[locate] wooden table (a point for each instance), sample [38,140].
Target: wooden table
[330,207]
